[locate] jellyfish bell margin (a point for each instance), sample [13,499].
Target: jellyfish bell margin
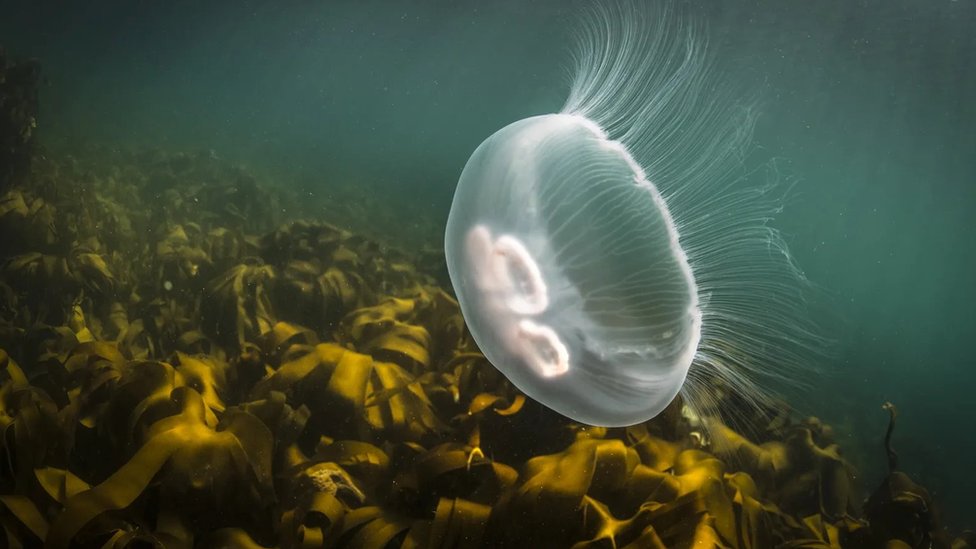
[614,254]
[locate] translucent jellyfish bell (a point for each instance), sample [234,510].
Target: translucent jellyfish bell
[568,269]
[604,256]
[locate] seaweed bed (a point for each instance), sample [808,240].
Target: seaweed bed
[181,366]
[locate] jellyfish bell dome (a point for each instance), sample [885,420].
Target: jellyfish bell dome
[607,257]
[569,273]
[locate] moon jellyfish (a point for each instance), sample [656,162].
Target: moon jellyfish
[613,254]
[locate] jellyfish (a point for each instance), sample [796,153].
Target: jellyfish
[616,253]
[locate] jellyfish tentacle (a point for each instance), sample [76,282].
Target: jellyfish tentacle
[619,252]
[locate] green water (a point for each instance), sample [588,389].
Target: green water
[867,104]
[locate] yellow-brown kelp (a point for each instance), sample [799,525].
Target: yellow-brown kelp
[900,511]
[210,375]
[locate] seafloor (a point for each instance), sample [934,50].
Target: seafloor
[184,366]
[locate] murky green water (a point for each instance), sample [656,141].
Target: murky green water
[868,105]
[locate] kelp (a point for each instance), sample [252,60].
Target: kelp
[901,511]
[805,477]
[237,306]
[204,470]
[373,397]
[210,376]
[27,222]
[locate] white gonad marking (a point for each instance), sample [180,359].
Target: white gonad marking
[520,276]
[542,349]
